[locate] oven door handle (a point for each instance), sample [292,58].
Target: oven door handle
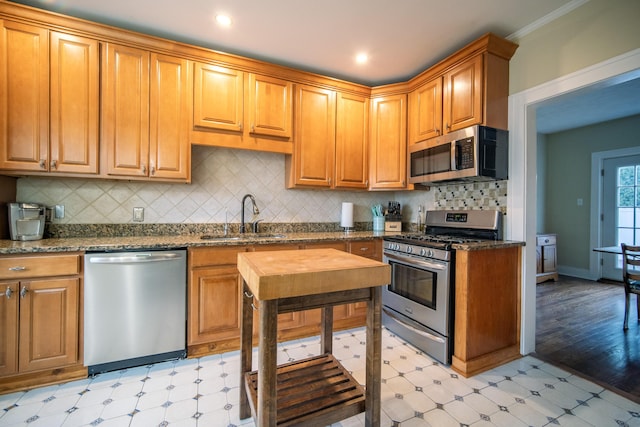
[413,328]
[415,262]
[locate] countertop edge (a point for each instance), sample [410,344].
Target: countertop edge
[112,244]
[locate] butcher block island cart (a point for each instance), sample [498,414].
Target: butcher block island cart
[317,390]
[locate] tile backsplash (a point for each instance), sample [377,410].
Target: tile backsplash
[220,178]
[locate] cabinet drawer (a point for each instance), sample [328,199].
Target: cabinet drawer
[19,267]
[365,248]
[546,239]
[200,257]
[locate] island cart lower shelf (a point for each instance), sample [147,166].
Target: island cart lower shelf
[317,390]
[314,388]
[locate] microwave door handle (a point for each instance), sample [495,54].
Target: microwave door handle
[412,328]
[456,157]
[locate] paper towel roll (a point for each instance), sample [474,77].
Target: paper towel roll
[346,220]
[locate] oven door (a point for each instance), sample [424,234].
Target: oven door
[419,290]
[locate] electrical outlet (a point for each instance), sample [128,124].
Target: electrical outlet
[138,214]
[59,212]
[48,214]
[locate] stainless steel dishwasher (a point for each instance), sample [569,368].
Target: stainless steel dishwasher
[134,308]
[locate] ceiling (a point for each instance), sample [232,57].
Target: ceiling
[401,38]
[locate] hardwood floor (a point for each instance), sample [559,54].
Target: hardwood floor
[579,328]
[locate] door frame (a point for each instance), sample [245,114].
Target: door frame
[520,223]
[597,196]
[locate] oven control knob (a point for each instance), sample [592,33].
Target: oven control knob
[409,249]
[423,252]
[430,253]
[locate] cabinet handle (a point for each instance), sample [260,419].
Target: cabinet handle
[8,292]
[329,181]
[144,169]
[366,183]
[240,125]
[43,164]
[253,128]
[153,170]
[17,268]
[448,127]
[54,164]
[23,292]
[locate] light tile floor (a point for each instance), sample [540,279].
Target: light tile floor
[416,391]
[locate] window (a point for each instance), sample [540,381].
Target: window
[628,205]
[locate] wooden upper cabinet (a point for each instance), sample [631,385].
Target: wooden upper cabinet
[74,104]
[218,98]
[50,101]
[235,109]
[24,97]
[169,147]
[125,110]
[352,142]
[145,108]
[270,106]
[312,162]
[463,95]
[388,164]
[425,111]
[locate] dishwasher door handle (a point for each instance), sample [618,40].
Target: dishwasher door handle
[134,258]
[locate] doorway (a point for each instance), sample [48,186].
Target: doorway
[521,200]
[620,207]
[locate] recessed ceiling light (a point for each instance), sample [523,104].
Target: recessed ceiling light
[362,58]
[223,20]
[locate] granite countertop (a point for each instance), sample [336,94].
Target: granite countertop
[112,243]
[73,244]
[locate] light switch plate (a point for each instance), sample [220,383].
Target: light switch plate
[138,214]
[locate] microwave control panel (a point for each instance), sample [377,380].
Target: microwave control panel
[465,153]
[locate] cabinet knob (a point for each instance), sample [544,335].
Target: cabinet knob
[23,292]
[54,164]
[153,170]
[43,164]
[144,169]
[253,128]
[240,126]
[8,292]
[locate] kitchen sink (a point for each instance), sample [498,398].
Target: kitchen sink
[247,236]
[219,237]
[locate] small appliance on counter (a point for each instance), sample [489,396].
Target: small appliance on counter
[393,218]
[26,221]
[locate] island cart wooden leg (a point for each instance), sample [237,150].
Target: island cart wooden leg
[246,348]
[326,332]
[373,367]
[267,361]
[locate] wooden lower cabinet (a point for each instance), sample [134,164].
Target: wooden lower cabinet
[215,298]
[487,309]
[40,341]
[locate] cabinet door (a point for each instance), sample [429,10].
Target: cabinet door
[425,111]
[214,304]
[24,97]
[169,147]
[125,110]
[315,137]
[352,142]
[8,328]
[74,63]
[218,98]
[270,106]
[549,258]
[49,323]
[388,165]
[463,95]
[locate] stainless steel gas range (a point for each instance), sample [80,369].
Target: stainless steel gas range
[418,303]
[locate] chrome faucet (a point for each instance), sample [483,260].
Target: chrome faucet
[256,211]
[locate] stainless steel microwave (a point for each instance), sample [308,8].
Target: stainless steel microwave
[477,153]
